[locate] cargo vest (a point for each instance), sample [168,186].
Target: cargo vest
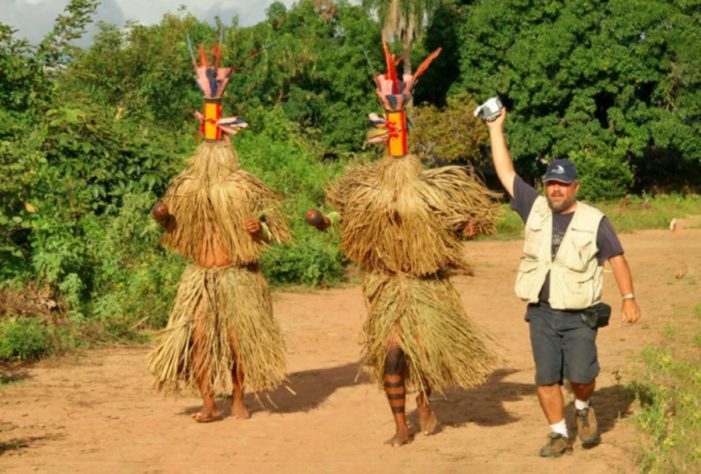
[576,278]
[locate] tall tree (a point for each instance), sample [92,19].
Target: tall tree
[403,20]
[57,47]
[613,84]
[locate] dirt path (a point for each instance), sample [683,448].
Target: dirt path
[96,411]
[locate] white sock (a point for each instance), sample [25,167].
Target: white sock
[560,427]
[580,405]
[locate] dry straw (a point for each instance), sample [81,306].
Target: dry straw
[211,199]
[220,316]
[400,218]
[403,224]
[217,310]
[425,317]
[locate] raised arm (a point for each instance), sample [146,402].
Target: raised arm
[500,153]
[630,312]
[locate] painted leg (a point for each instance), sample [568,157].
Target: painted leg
[395,389]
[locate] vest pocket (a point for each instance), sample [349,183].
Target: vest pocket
[577,255]
[526,279]
[528,265]
[576,288]
[532,240]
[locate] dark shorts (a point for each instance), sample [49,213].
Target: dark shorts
[564,347]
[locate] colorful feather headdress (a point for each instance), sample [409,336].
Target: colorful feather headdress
[212,80]
[394,94]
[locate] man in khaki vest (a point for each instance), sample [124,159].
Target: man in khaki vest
[560,276]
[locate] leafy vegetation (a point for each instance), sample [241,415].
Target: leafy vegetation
[23,339]
[669,391]
[614,85]
[450,133]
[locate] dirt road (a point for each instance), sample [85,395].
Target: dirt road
[96,412]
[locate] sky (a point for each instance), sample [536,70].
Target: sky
[35,18]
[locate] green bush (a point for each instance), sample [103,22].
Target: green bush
[24,339]
[134,279]
[616,75]
[603,176]
[309,260]
[275,151]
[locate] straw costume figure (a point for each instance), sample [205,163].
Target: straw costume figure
[402,224]
[221,327]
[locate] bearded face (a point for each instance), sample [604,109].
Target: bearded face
[561,196]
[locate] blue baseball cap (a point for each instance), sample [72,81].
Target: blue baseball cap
[562,171]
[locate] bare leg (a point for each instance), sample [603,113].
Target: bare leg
[427,419]
[395,389]
[552,402]
[583,391]
[238,406]
[208,412]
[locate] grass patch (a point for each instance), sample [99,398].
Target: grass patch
[649,213]
[13,445]
[669,392]
[509,225]
[626,215]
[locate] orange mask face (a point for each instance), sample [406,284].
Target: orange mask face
[212,114]
[396,122]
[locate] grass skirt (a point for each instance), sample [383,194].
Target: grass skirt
[426,318]
[226,314]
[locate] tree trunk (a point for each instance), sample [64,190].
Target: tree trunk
[406,59]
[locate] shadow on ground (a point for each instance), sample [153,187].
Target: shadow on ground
[312,387]
[303,391]
[612,404]
[16,444]
[482,405]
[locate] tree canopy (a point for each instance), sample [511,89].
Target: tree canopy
[598,81]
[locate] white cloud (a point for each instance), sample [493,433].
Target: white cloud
[34,18]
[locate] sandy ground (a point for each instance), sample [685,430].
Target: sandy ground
[96,412]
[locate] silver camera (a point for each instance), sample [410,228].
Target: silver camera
[490,110]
